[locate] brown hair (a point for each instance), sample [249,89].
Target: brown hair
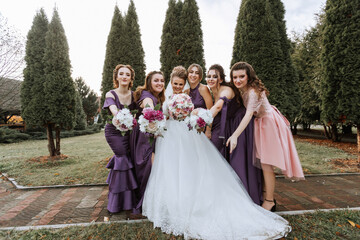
[253,80]
[180,72]
[115,73]
[147,87]
[199,69]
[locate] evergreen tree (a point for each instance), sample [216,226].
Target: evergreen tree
[33,110]
[289,74]
[171,39]
[80,117]
[114,50]
[59,87]
[257,41]
[88,99]
[133,52]
[192,47]
[341,49]
[306,58]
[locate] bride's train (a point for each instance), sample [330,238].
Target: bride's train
[193,191]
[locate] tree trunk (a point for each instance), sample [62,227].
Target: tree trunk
[51,146]
[326,132]
[294,128]
[334,133]
[57,132]
[358,142]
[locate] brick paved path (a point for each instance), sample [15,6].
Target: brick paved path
[86,204]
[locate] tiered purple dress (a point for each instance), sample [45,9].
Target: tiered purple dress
[242,157]
[142,152]
[196,98]
[121,179]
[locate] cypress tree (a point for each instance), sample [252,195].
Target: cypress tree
[133,50]
[289,74]
[306,58]
[171,39]
[80,117]
[88,99]
[341,49]
[59,87]
[192,47]
[257,41]
[33,110]
[114,49]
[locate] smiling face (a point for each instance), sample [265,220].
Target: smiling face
[194,75]
[213,79]
[124,77]
[177,84]
[240,79]
[157,83]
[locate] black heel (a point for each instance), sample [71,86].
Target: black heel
[273,209]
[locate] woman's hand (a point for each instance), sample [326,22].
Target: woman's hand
[208,132]
[232,141]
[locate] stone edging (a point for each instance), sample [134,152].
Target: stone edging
[20,187]
[57,226]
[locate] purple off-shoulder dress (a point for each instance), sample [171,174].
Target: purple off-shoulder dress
[142,152]
[196,98]
[243,156]
[121,178]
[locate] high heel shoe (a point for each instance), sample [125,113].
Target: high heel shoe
[273,209]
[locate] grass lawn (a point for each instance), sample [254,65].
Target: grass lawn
[319,225]
[87,158]
[88,155]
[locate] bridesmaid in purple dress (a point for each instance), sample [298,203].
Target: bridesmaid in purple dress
[121,178]
[228,112]
[199,93]
[150,94]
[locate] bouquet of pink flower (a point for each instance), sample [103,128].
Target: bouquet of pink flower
[180,106]
[124,121]
[199,119]
[152,122]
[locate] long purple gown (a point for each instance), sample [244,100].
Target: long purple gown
[242,157]
[121,178]
[142,152]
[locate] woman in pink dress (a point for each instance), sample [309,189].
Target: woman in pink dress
[274,143]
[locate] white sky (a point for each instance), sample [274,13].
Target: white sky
[87,25]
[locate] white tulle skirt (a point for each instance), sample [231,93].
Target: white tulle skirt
[193,191]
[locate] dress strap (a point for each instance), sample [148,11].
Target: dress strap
[223,118]
[117,101]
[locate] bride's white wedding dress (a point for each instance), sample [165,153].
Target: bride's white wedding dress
[193,191]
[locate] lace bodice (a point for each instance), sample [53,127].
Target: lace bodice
[259,106]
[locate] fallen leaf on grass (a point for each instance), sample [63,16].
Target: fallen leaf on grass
[56,174]
[338,234]
[351,223]
[295,238]
[357,225]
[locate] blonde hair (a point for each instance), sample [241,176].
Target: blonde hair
[180,72]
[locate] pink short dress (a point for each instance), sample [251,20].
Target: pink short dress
[274,143]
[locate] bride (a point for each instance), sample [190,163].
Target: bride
[192,190]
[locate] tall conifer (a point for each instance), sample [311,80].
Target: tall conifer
[341,49]
[33,110]
[133,52]
[257,41]
[171,39]
[113,56]
[289,74]
[192,47]
[59,87]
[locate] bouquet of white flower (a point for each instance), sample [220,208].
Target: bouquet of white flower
[199,119]
[124,121]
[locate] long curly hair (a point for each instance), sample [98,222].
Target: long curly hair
[115,73]
[147,87]
[253,80]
